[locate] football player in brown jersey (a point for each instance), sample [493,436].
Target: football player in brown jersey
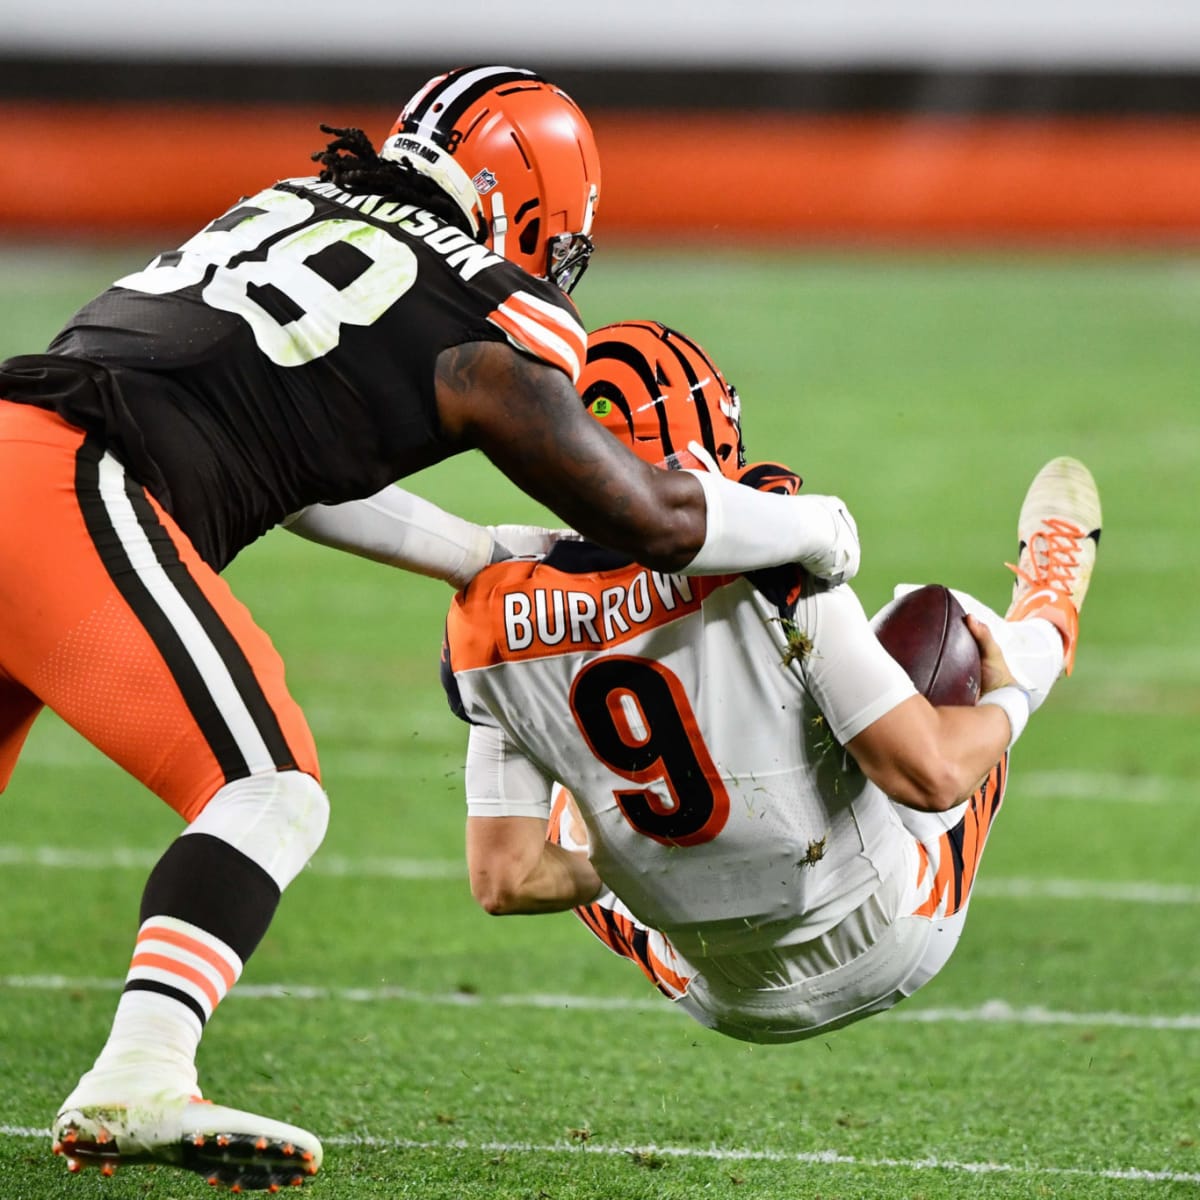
[325,337]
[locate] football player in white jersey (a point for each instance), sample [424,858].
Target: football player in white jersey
[767,817]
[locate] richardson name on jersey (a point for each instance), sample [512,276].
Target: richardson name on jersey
[562,618]
[459,249]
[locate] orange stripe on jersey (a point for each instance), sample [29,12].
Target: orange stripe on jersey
[522,610]
[173,967]
[470,634]
[543,330]
[159,933]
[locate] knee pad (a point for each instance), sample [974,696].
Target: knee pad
[277,820]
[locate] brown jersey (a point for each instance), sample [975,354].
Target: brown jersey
[284,356]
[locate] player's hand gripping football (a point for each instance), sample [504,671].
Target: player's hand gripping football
[993,669]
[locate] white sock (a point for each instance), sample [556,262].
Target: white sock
[151,1050]
[1033,648]
[178,971]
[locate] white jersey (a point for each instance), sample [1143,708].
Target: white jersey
[699,723]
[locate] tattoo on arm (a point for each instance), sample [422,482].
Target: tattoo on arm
[530,422]
[452,370]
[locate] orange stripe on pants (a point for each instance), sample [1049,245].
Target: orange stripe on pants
[960,850]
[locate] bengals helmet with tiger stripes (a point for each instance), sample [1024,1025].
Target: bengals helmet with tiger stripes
[660,393]
[518,156]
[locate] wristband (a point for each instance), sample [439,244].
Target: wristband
[1016,705]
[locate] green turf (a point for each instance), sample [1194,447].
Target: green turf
[429,1051]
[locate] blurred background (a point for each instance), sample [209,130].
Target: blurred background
[784,120]
[933,244]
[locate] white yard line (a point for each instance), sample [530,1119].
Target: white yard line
[1101,785]
[1123,892]
[991,1012]
[61,858]
[737,1154]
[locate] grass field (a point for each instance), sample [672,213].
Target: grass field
[445,1054]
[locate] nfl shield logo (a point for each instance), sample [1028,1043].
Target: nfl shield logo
[484,181]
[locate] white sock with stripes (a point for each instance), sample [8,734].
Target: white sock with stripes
[178,972]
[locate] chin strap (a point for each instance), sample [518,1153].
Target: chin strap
[499,223]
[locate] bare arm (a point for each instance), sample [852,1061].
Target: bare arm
[528,419]
[932,758]
[513,868]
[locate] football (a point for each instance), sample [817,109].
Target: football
[926,633]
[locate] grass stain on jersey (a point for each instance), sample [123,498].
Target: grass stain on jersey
[799,644]
[814,853]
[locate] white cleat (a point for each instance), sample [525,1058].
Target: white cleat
[227,1147]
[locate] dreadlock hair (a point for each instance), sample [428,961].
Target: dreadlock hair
[352,163]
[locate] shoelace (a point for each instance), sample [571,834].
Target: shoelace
[1054,553]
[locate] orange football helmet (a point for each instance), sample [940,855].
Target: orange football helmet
[660,393]
[519,157]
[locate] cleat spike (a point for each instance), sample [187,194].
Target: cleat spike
[225,1147]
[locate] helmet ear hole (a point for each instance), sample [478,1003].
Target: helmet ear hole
[529,236]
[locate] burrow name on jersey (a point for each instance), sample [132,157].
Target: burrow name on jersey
[458,248]
[546,619]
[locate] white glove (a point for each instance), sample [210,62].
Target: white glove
[837,560]
[526,541]
[747,530]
